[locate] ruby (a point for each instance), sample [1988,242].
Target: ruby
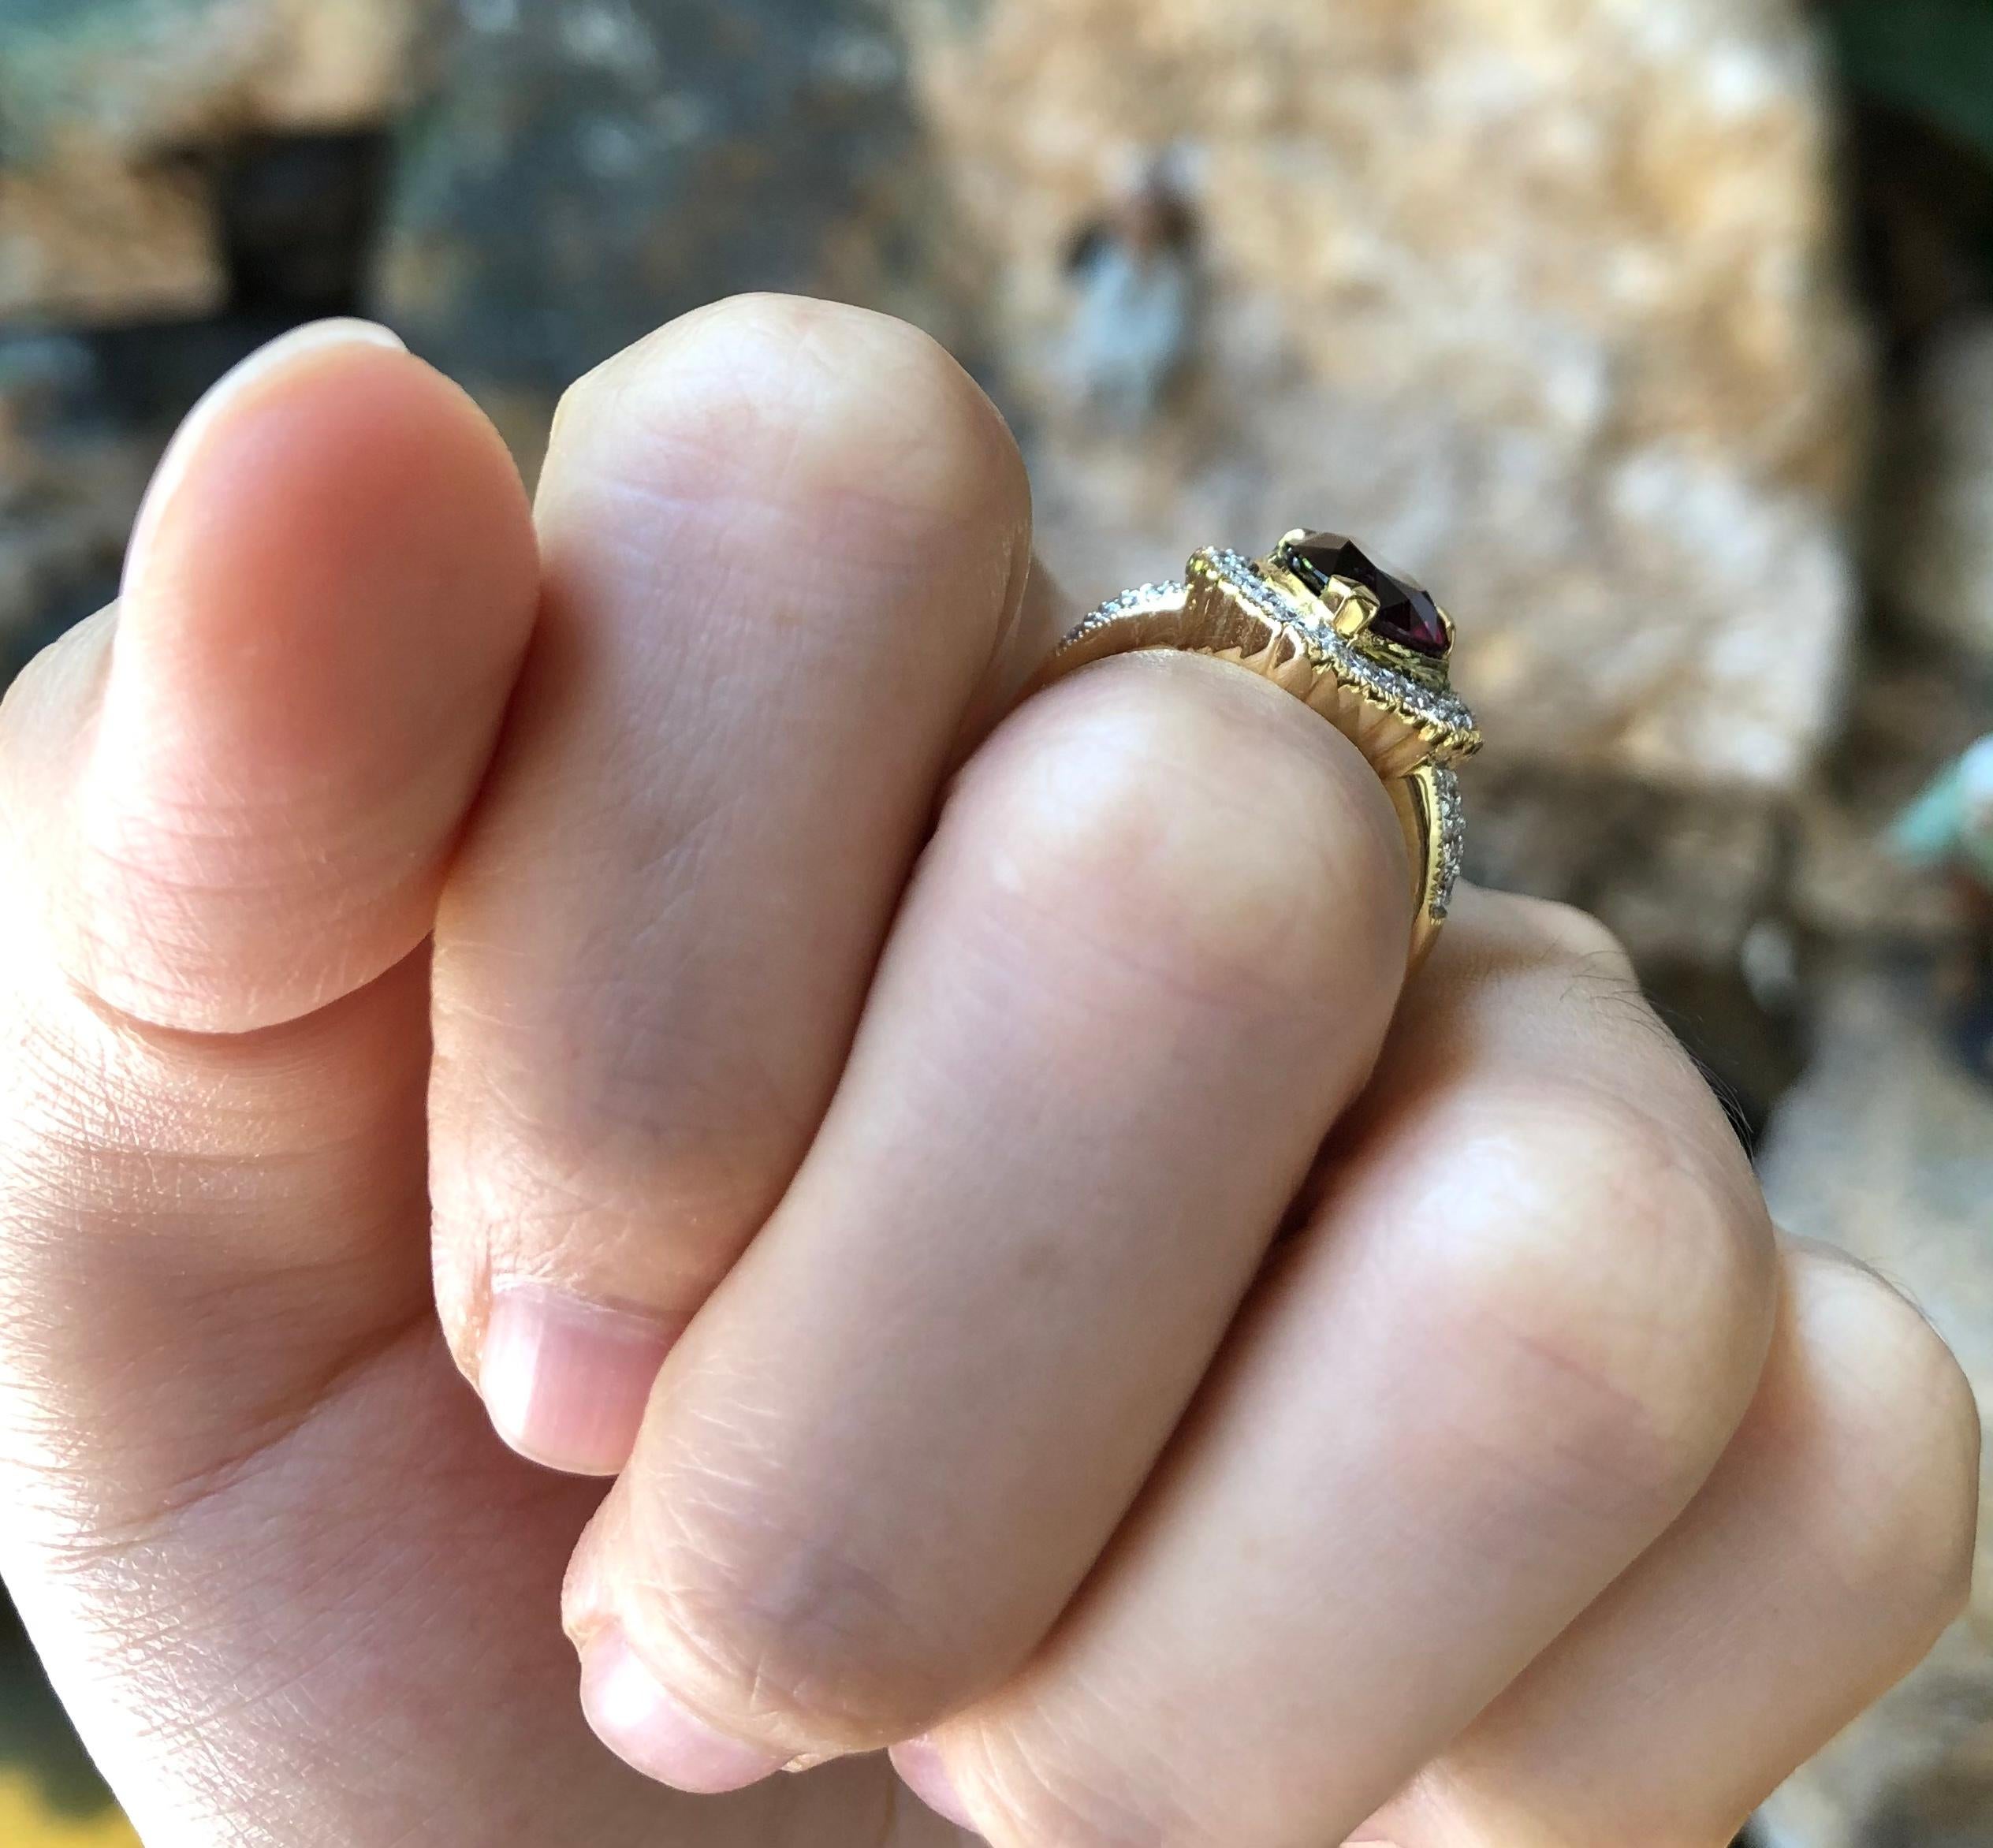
[1406,613]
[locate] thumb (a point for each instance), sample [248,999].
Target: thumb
[238,790]
[227,804]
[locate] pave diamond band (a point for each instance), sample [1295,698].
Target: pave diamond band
[1365,648]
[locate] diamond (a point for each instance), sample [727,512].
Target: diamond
[1450,822]
[1406,613]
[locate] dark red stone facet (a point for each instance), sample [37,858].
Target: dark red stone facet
[1406,613]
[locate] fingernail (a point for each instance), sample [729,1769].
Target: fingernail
[566,1381]
[644,1726]
[186,444]
[918,1762]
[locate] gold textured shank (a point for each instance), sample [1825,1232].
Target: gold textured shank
[1403,719]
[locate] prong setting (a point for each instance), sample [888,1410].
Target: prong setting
[1353,611]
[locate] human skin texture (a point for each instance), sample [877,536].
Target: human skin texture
[589,1068]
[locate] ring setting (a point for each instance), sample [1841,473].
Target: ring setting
[1366,648]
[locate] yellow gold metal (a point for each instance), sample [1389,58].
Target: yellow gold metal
[1398,708]
[1354,614]
[1417,801]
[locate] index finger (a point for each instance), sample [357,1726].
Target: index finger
[787,548]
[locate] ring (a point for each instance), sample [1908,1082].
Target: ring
[1367,650]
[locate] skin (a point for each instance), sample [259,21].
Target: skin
[1053,1300]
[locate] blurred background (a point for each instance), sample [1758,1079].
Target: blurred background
[1657,335]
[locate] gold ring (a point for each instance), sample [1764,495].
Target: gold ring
[1366,649]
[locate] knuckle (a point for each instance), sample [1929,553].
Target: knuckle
[775,1622]
[808,330]
[819,397]
[1575,937]
[590,1166]
[1902,1427]
[1038,1794]
[1154,807]
[1630,1313]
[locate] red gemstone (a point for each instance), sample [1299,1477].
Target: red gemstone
[1406,613]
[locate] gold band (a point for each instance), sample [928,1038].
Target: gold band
[1322,637]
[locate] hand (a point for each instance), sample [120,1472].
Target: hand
[1032,1398]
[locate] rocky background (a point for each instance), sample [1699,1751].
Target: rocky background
[1657,334]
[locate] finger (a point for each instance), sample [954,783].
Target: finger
[1152,952]
[786,551]
[226,804]
[1529,1312]
[1818,1565]
[238,793]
